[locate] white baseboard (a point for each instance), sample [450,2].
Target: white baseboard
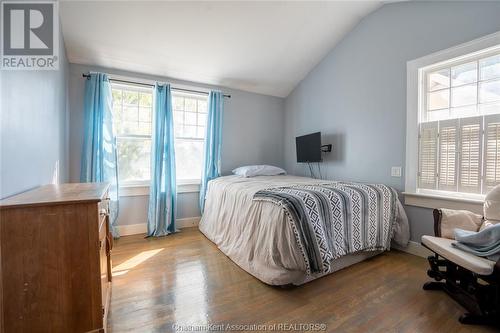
[132,229]
[141,228]
[188,222]
[414,248]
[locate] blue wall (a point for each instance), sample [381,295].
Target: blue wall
[33,128]
[356,96]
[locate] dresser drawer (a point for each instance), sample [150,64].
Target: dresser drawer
[103,211]
[103,206]
[66,281]
[103,258]
[103,232]
[105,244]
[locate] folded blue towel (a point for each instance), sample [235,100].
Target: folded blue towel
[485,243]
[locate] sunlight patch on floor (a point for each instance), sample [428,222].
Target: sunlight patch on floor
[127,265]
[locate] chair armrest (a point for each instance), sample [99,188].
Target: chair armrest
[447,220]
[438,215]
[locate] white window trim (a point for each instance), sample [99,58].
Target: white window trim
[143,190]
[414,79]
[437,201]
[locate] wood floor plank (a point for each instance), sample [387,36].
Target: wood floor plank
[184,279]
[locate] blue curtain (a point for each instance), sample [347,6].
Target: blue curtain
[99,160]
[162,192]
[213,142]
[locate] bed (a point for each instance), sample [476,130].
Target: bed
[244,217]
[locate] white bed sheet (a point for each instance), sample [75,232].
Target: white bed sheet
[256,235]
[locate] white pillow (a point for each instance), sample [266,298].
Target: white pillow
[258,170]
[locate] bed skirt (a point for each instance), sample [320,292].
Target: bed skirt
[296,277]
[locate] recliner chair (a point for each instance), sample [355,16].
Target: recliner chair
[474,282]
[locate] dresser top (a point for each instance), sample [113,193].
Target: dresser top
[57,194]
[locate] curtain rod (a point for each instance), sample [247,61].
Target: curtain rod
[151,85]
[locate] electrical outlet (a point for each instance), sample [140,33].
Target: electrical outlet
[396,171]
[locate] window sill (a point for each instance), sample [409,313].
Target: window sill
[437,201]
[143,190]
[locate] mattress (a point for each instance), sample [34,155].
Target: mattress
[257,236]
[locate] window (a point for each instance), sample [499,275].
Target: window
[132,119]
[190,118]
[459,125]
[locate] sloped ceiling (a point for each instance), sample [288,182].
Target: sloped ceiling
[261,47]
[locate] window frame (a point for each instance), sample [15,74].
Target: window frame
[141,188]
[134,87]
[194,181]
[416,88]
[453,63]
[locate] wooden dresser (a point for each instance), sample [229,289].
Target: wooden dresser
[55,266]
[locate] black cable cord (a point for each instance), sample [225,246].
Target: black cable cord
[311,170]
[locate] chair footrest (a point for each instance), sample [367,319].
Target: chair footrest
[444,248]
[433,285]
[481,300]
[471,319]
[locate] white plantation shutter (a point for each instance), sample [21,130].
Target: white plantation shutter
[470,155]
[492,152]
[427,169]
[459,125]
[448,151]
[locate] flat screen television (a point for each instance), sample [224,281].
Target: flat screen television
[308,148]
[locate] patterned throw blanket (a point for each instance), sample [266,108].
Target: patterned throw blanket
[333,219]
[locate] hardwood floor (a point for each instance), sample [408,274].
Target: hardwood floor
[184,279]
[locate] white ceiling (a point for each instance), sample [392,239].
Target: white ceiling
[262,47]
